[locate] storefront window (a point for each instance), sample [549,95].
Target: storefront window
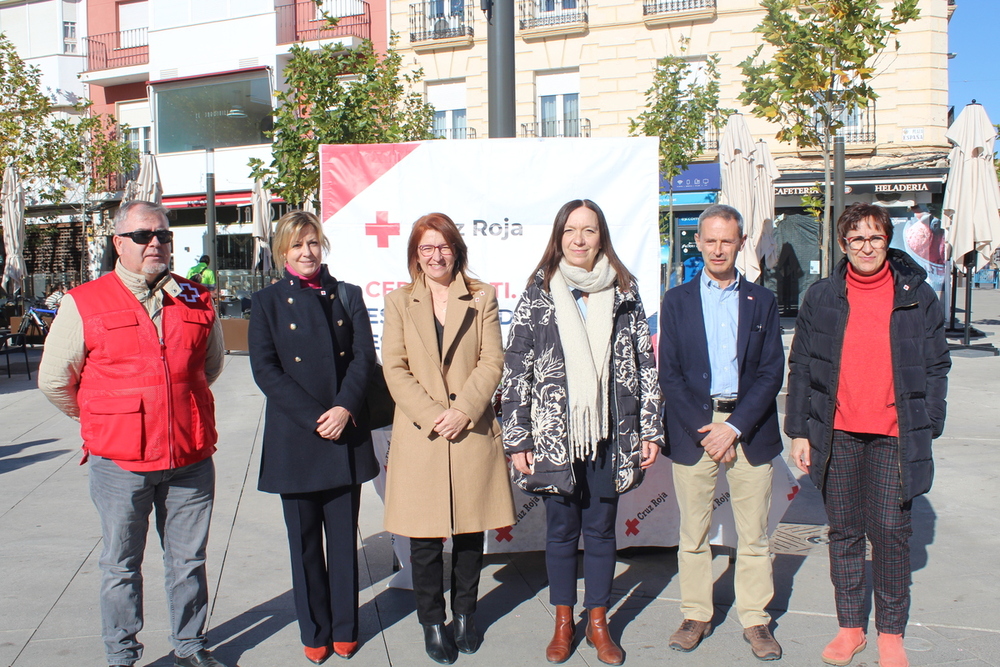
[213,113]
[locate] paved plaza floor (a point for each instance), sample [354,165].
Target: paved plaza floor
[50,540]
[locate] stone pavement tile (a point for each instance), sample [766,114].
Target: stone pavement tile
[12,642]
[966,643]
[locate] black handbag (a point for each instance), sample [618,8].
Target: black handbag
[378,400]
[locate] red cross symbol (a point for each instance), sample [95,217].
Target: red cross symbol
[504,534]
[632,527]
[382,228]
[795,492]
[189,293]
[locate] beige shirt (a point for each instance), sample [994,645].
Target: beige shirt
[65,351]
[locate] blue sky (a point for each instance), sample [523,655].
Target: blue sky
[974,72]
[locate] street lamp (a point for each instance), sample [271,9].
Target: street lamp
[209,243]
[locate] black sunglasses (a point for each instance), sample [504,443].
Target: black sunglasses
[144,236]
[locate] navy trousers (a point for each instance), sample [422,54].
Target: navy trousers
[566,518]
[862,494]
[324,584]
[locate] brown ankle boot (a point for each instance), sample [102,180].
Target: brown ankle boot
[562,639]
[598,636]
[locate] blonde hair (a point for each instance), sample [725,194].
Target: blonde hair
[290,227]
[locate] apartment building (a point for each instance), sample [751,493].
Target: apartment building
[46,35]
[583,66]
[192,75]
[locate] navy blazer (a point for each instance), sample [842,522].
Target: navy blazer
[685,372]
[304,370]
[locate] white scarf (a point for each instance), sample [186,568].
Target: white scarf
[586,350]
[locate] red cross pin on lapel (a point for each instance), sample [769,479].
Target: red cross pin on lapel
[749,298]
[906,288]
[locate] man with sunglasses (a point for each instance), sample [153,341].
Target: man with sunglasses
[131,356]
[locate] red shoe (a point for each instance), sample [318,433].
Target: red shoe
[317,656]
[847,644]
[891,652]
[345,649]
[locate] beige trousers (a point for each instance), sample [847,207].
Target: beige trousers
[750,496]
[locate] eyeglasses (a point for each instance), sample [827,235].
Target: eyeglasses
[428,250]
[858,242]
[144,236]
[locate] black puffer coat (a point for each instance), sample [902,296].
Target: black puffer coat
[534,392]
[920,363]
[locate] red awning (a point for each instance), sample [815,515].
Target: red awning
[241,198]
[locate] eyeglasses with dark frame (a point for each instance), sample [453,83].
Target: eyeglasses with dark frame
[428,250]
[144,236]
[858,242]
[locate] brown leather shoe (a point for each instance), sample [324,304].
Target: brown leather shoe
[598,637]
[561,646]
[762,642]
[689,635]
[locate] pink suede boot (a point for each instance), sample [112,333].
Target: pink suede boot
[847,644]
[891,652]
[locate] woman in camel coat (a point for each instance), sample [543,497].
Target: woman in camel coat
[447,475]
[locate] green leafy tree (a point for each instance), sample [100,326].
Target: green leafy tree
[339,97]
[680,110]
[823,56]
[54,154]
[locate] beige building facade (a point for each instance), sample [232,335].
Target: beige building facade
[582,68]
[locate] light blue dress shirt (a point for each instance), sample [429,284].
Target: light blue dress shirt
[721,310]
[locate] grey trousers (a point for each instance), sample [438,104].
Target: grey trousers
[182,499]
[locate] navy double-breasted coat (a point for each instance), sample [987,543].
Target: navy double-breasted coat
[306,365]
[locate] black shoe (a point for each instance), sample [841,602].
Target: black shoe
[467,638]
[200,658]
[439,646]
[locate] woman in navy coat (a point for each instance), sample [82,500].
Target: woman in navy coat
[312,356]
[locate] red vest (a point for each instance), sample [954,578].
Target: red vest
[145,403]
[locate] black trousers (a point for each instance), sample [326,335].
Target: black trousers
[324,585]
[566,517]
[427,561]
[862,500]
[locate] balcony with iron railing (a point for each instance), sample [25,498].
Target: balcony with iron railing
[575,127]
[858,125]
[551,17]
[305,21]
[662,12]
[124,48]
[455,133]
[441,23]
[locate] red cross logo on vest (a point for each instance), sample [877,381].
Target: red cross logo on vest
[382,228]
[189,293]
[632,527]
[503,534]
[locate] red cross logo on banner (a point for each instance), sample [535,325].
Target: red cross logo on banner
[632,527]
[795,492]
[189,293]
[503,534]
[382,228]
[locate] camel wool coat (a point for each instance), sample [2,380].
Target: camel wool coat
[436,487]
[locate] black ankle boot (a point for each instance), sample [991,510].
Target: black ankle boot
[439,646]
[466,636]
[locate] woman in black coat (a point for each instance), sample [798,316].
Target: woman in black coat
[866,396]
[312,356]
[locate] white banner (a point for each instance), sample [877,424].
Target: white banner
[502,193]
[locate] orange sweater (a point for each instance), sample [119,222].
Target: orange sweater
[866,400]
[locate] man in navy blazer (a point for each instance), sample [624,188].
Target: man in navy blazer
[721,367]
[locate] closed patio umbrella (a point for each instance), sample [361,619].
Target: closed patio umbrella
[970,211]
[765,173]
[260,207]
[12,201]
[146,186]
[736,148]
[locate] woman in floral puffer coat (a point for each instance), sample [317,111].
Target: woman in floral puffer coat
[580,427]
